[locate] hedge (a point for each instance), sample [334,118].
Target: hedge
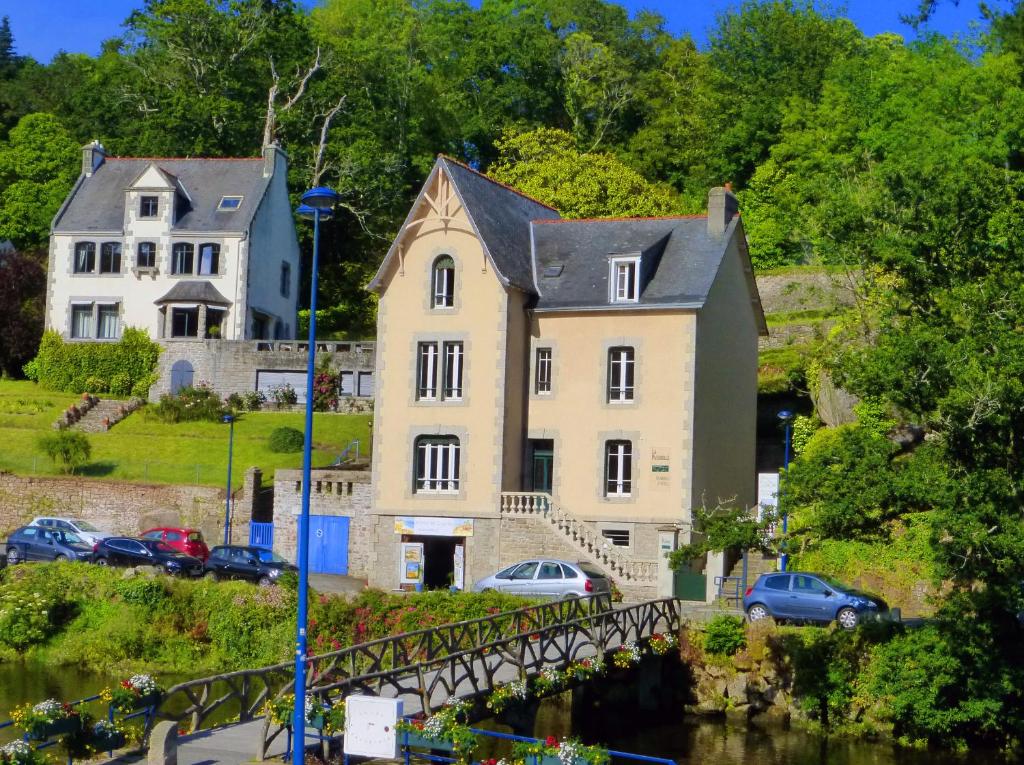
[124,368]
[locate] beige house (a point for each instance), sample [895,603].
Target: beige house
[557,388]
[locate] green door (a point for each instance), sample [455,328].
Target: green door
[543,461]
[686,585]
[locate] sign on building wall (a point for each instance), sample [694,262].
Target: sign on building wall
[412,562]
[459,575]
[660,458]
[370,726]
[425,526]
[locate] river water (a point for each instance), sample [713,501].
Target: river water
[694,742]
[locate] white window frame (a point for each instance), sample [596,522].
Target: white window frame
[225,204]
[454,363]
[621,365]
[618,469]
[624,279]
[88,310]
[115,308]
[427,360]
[443,283]
[437,465]
[542,372]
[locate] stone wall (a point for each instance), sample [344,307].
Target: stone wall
[230,366]
[126,508]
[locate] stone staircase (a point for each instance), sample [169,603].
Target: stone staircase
[92,421]
[629,573]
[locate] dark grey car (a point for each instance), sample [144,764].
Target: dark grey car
[548,578]
[36,543]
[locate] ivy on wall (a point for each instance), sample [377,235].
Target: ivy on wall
[127,367]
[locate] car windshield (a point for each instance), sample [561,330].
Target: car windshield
[271,557]
[68,538]
[85,526]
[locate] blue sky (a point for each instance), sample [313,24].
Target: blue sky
[43,28]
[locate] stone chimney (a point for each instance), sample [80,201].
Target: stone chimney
[270,155]
[722,206]
[93,155]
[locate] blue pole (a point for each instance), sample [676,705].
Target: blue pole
[784,557]
[227,497]
[299,715]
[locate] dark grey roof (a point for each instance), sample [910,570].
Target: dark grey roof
[502,216]
[193,292]
[97,203]
[679,260]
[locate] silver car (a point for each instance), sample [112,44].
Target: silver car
[83,529]
[547,578]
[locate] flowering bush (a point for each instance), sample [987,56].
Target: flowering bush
[190,404]
[627,655]
[20,753]
[661,643]
[325,391]
[126,695]
[548,681]
[584,669]
[330,718]
[507,693]
[284,395]
[449,725]
[568,752]
[26,618]
[34,718]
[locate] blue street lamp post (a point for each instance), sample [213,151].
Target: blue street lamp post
[317,204]
[230,420]
[786,417]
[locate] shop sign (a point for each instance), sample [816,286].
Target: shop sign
[426,526]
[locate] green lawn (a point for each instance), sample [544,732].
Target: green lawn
[143,449]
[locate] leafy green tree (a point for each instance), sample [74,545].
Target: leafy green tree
[38,165]
[69,449]
[547,165]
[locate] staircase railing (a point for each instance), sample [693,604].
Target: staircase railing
[541,504]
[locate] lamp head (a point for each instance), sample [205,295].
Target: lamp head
[227,418]
[307,212]
[785,416]
[321,197]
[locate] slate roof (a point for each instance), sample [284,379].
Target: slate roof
[679,260]
[193,291]
[97,202]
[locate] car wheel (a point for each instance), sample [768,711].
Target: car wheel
[61,557]
[12,556]
[265,581]
[847,618]
[211,576]
[102,562]
[758,613]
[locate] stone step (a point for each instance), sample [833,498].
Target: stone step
[92,422]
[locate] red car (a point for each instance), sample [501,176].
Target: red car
[188,541]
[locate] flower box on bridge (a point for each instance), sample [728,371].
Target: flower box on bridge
[420,741]
[43,731]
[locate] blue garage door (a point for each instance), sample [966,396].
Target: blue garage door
[328,544]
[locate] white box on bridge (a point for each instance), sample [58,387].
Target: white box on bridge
[370,726]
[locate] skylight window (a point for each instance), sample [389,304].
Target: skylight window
[229,204]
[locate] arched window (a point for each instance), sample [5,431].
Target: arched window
[147,255]
[444,282]
[437,465]
[182,256]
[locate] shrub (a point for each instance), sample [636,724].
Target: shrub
[234,402]
[190,405]
[724,635]
[325,391]
[285,440]
[254,400]
[284,394]
[68,448]
[72,367]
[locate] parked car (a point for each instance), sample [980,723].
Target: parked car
[800,596]
[38,543]
[188,541]
[547,578]
[125,551]
[254,564]
[85,530]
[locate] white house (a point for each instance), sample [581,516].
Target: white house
[184,248]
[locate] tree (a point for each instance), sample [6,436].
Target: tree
[22,286]
[69,449]
[8,59]
[547,165]
[38,165]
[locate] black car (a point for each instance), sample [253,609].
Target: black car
[252,563]
[124,551]
[36,543]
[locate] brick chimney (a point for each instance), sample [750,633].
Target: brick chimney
[93,155]
[722,207]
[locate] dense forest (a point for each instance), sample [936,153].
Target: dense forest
[903,162]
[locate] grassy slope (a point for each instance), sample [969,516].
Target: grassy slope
[141,448]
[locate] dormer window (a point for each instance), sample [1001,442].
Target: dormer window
[229,204]
[444,282]
[148,207]
[624,279]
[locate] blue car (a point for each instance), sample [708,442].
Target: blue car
[805,597]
